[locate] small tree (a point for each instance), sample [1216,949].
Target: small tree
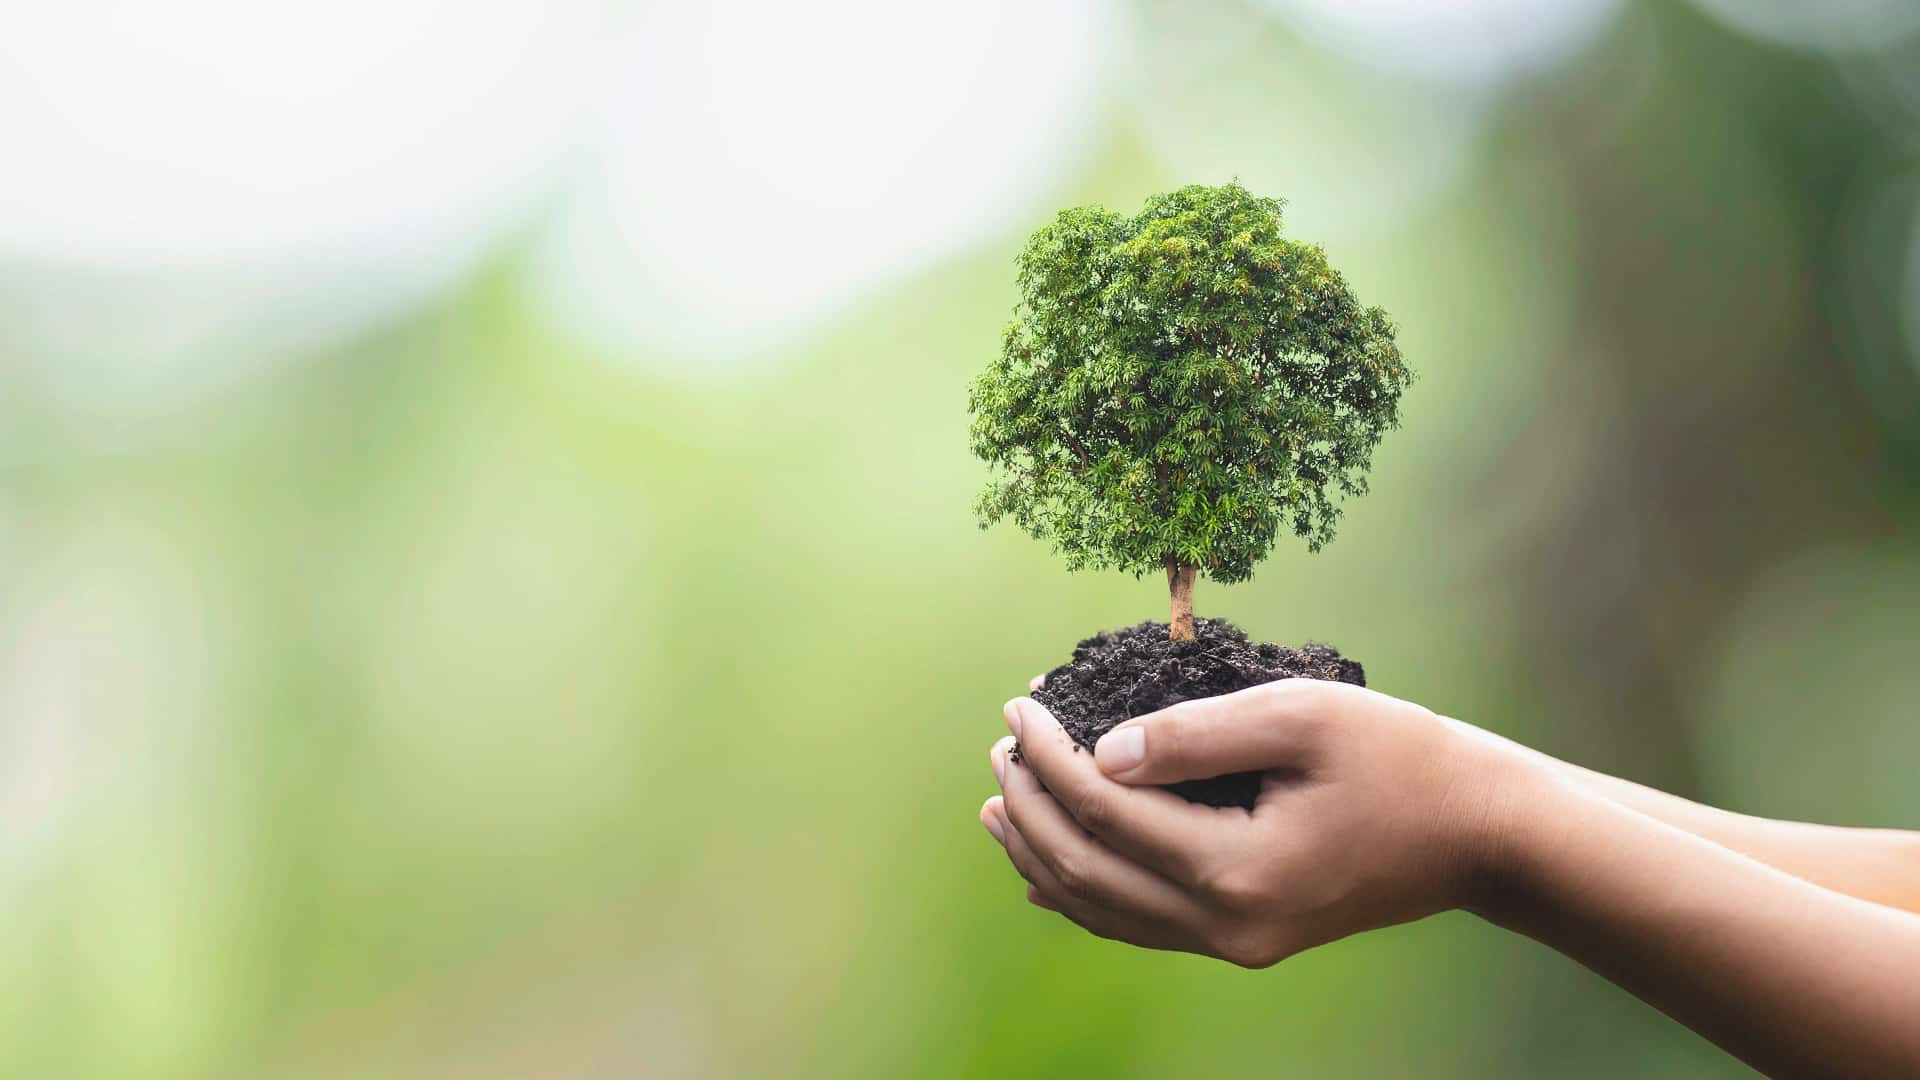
[1177,385]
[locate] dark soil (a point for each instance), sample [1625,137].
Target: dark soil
[1122,674]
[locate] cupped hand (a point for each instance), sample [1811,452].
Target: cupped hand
[1372,811]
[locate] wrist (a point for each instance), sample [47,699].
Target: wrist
[1516,795]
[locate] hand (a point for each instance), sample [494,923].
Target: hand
[1373,811]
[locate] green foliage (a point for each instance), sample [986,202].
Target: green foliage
[1182,382]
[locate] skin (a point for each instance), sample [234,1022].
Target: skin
[1794,947]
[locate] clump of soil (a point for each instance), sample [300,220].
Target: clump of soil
[1121,674]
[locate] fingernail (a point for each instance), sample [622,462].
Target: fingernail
[1011,711]
[998,755]
[1121,749]
[991,819]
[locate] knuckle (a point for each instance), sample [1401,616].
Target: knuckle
[1095,812]
[1022,795]
[1306,695]
[1250,952]
[1072,874]
[1280,691]
[1252,949]
[1227,887]
[1170,738]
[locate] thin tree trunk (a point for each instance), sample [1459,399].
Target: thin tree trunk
[1180,585]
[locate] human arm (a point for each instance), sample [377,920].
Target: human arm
[1881,865]
[1376,811]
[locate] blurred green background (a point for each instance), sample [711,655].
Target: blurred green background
[542,632]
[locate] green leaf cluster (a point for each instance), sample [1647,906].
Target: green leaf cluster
[1182,382]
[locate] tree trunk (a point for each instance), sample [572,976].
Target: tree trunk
[1180,585]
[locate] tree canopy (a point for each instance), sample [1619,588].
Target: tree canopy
[1177,385]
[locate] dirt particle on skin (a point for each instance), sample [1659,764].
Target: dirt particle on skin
[1121,674]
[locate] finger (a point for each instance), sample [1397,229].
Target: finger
[1082,866]
[1272,726]
[1041,884]
[1033,868]
[1036,682]
[1044,890]
[995,820]
[997,757]
[1154,828]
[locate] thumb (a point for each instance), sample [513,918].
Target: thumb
[1271,726]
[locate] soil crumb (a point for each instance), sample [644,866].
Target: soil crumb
[1121,674]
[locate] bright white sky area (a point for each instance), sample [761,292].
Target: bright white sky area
[1473,42]
[199,188]
[760,163]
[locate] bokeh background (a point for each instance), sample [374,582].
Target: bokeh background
[487,583]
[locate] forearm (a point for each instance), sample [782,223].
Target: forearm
[1881,865]
[1795,979]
